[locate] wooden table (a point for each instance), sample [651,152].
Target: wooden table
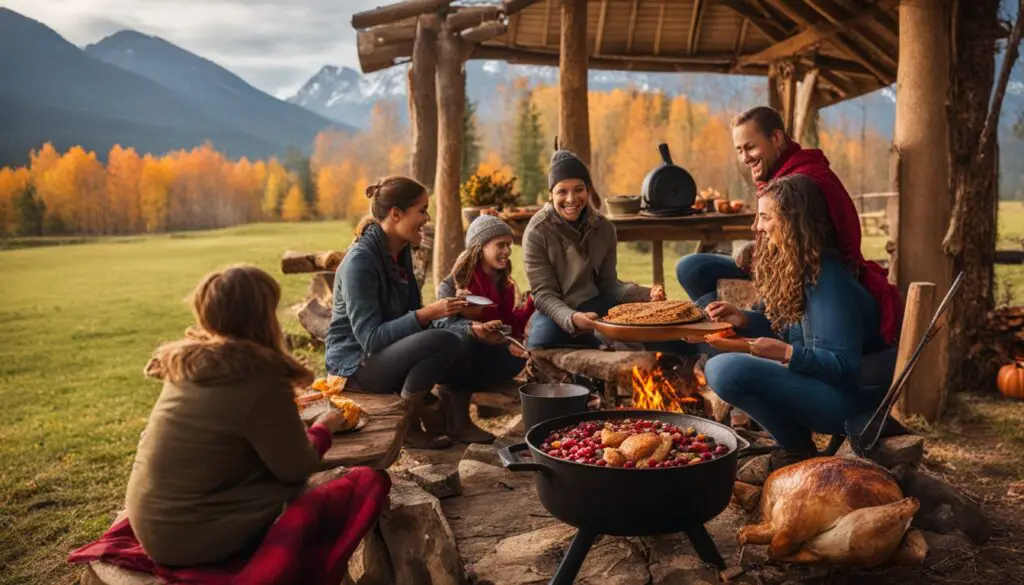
[707,228]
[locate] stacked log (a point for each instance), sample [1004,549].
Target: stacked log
[300,262]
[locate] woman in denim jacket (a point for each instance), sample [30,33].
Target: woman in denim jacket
[826,360]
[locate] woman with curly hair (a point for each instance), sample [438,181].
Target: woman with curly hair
[825,360]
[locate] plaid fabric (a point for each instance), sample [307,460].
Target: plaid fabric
[310,543]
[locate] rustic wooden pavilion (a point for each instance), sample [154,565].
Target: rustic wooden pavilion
[813,53]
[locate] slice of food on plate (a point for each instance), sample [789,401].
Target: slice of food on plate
[349,409]
[654,313]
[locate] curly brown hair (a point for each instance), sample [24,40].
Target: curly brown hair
[804,230]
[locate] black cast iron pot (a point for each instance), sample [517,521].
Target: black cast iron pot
[630,502]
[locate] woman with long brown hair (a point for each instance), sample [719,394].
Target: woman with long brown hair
[827,360]
[224,451]
[381,337]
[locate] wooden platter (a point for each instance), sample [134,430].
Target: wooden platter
[654,333]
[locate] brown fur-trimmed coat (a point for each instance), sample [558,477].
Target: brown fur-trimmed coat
[223,452]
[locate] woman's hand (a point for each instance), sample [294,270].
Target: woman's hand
[770,348]
[585,321]
[463,292]
[657,293]
[489,332]
[726,312]
[517,351]
[440,309]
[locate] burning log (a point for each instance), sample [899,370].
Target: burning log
[652,390]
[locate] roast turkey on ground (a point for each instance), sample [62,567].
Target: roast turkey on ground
[835,510]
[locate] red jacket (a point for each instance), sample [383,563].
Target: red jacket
[505,308]
[812,163]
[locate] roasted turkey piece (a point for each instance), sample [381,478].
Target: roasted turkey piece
[641,449]
[836,510]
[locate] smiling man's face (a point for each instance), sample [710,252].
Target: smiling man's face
[756,150]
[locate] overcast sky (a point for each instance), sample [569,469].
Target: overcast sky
[276,45]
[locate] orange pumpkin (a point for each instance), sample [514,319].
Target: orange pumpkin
[1010,380]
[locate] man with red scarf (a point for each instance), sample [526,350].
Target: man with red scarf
[761,143]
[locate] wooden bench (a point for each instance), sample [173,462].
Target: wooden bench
[376,445]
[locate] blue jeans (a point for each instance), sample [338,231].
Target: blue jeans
[791,406]
[545,333]
[699,274]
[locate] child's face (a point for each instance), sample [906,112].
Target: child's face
[497,252]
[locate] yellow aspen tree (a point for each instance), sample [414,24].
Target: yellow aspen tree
[294,207]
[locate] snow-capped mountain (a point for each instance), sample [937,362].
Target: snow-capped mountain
[345,95]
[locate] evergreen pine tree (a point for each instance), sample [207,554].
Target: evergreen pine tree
[298,164]
[529,147]
[30,211]
[470,142]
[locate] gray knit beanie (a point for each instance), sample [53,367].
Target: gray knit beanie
[484,229]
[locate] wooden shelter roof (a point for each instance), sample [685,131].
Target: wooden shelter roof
[853,43]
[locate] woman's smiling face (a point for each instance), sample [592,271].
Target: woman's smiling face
[569,197]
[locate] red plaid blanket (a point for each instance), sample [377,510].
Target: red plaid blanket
[310,543]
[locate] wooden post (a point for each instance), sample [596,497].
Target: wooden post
[921,139]
[451,106]
[805,125]
[782,90]
[573,111]
[423,101]
[658,261]
[921,397]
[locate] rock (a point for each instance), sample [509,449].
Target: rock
[932,492]
[321,287]
[741,293]
[440,481]
[419,540]
[731,574]
[315,318]
[942,547]
[370,563]
[534,556]
[481,453]
[892,451]
[478,478]
[754,470]
[99,573]
[747,496]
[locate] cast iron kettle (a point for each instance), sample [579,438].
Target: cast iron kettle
[668,189]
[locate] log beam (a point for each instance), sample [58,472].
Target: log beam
[472,16]
[921,139]
[600,27]
[661,27]
[695,18]
[807,39]
[451,107]
[632,26]
[484,32]
[515,6]
[423,101]
[396,12]
[835,14]
[660,64]
[573,108]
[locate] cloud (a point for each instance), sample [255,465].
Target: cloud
[275,45]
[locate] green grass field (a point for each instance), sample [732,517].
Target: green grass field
[77,324]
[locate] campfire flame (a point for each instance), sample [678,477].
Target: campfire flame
[653,391]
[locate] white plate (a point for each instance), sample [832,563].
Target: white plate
[478,300]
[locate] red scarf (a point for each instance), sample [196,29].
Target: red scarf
[812,163]
[505,308]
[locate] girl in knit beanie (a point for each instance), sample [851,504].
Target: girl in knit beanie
[485,269]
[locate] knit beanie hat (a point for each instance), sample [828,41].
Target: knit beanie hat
[566,165]
[484,229]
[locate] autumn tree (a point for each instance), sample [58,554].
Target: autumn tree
[529,146]
[298,165]
[294,207]
[13,182]
[124,172]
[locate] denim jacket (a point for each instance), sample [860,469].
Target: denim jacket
[839,330]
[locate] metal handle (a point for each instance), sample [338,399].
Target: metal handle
[511,462]
[743,446]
